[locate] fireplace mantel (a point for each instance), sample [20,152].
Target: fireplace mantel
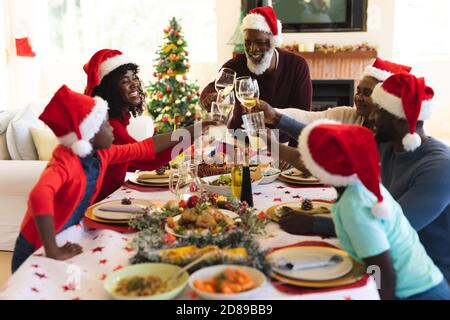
[338,65]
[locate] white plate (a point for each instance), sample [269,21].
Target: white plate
[168,229]
[114,215]
[297,178]
[210,272]
[312,254]
[223,190]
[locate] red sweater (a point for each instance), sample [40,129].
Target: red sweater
[289,86]
[115,174]
[62,184]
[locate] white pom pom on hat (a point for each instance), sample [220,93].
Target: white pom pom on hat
[411,141]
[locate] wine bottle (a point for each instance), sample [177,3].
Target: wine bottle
[236,175]
[246,190]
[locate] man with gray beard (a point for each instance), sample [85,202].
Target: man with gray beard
[283,77]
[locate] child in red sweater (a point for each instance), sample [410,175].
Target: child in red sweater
[112,76]
[74,175]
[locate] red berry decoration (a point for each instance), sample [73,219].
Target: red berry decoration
[168,89]
[182,204]
[169,238]
[193,201]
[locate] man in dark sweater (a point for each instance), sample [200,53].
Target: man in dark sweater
[415,168]
[283,77]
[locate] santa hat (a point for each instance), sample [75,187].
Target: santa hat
[341,155]
[383,69]
[101,64]
[75,119]
[406,97]
[263,19]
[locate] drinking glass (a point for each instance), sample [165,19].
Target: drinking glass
[247,92]
[253,124]
[225,80]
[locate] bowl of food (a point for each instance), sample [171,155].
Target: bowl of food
[227,282]
[221,184]
[145,282]
[269,175]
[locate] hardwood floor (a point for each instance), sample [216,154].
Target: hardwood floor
[5,266]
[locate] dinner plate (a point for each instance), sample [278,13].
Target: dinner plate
[168,229]
[113,217]
[311,254]
[133,179]
[319,208]
[100,212]
[298,182]
[294,174]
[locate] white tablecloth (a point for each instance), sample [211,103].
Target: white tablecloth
[105,251]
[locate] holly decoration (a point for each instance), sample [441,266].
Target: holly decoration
[173,99]
[152,235]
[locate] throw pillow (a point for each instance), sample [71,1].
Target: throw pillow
[45,142]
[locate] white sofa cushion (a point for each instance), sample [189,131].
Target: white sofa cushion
[17,180]
[18,136]
[5,118]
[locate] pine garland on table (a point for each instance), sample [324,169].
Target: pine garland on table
[152,236]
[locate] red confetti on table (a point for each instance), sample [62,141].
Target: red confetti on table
[277,199]
[41,275]
[98,249]
[35,266]
[69,287]
[104,261]
[35,290]
[348,298]
[296,197]
[118,268]
[257,193]
[287,192]
[128,249]
[38,255]
[280,187]
[103,277]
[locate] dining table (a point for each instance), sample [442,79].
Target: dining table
[105,251]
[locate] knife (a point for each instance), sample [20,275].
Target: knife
[124,208]
[303,264]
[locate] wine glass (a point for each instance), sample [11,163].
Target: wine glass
[226,103]
[225,80]
[247,92]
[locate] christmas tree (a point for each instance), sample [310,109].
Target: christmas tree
[173,99]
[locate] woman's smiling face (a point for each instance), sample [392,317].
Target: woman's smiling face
[128,87]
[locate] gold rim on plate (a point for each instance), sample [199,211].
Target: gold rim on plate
[298,182]
[90,213]
[357,273]
[271,211]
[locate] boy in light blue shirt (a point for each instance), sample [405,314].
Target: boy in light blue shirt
[369,223]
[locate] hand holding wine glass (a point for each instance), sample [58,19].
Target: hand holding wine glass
[247,91]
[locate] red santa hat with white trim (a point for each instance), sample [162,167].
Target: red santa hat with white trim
[101,64]
[340,155]
[406,97]
[383,69]
[75,119]
[263,19]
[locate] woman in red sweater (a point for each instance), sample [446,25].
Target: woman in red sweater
[113,77]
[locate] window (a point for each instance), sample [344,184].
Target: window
[421,30]
[81,27]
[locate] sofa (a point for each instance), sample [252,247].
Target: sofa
[22,161]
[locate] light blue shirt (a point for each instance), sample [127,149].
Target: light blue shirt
[363,235]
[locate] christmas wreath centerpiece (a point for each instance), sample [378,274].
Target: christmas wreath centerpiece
[233,238]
